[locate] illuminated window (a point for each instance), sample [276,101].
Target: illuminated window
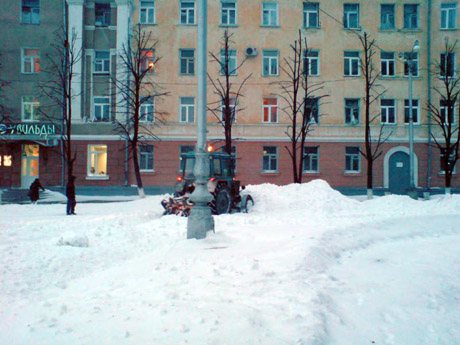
[147,110]
[270,159]
[30,60]
[270,14]
[146,157]
[147,61]
[228,13]
[270,62]
[97,160]
[187,12]
[30,106]
[30,12]
[228,61]
[270,110]
[147,12]
[102,62]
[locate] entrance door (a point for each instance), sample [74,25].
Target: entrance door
[29,164]
[399,173]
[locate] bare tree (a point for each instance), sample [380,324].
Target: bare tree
[302,97]
[227,92]
[139,94]
[59,67]
[372,145]
[443,115]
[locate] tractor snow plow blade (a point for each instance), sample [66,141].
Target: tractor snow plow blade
[179,206]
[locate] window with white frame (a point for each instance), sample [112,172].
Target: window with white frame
[102,62]
[447,111]
[447,65]
[184,149]
[311,15]
[228,13]
[270,159]
[446,163]
[147,110]
[30,12]
[270,61]
[449,16]
[311,159]
[352,111]
[30,106]
[387,16]
[147,12]
[411,16]
[387,111]
[232,110]
[97,161]
[187,61]
[228,61]
[147,61]
[352,159]
[102,13]
[146,158]
[312,109]
[187,12]
[351,16]
[101,110]
[270,14]
[30,60]
[311,61]
[411,59]
[415,111]
[351,63]
[187,109]
[270,110]
[388,64]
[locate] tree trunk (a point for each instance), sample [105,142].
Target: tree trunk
[137,172]
[370,185]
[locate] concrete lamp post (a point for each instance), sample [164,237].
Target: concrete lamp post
[201,220]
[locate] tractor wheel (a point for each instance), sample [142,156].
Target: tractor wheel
[222,202]
[246,203]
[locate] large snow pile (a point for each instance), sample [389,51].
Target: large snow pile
[306,266]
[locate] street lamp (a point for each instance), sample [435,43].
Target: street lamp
[201,220]
[409,58]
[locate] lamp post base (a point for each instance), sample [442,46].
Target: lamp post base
[200,222]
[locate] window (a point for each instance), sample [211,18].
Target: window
[447,65]
[352,111]
[184,149]
[448,16]
[270,62]
[228,61]
[311,61]
[270,14]
[30,60]
[351,16]
[311,15]
[352,159]
[102,14]
[270,110]
[411,59]
[351,64]
[146,157]
[387,16]
[311,159]
[446,163]
[410,16]
[30,12]
[444,111]
[30,107]
[147,12]
[102,62]
[101,109]
[270,159]
[228,13]
[415,111]
[187,109]
[387,111]
[6,160]
[147,61]
[147,110]
[232,106]
[187,12]
[312,110]
[97,160]
[187,61]
[388,63]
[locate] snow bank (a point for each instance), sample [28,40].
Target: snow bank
[74,240]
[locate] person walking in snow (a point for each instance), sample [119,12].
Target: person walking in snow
[34,193]
[70,194]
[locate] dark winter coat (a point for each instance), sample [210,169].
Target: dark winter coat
[70,190]
[34,194]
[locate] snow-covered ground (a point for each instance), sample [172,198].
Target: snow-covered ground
[306,266]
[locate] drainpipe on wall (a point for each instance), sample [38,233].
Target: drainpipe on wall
[428,59]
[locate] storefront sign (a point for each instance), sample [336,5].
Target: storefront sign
[40,129]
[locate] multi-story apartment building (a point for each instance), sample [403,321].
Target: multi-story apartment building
[262,34]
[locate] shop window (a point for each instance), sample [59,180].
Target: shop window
[97,161]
